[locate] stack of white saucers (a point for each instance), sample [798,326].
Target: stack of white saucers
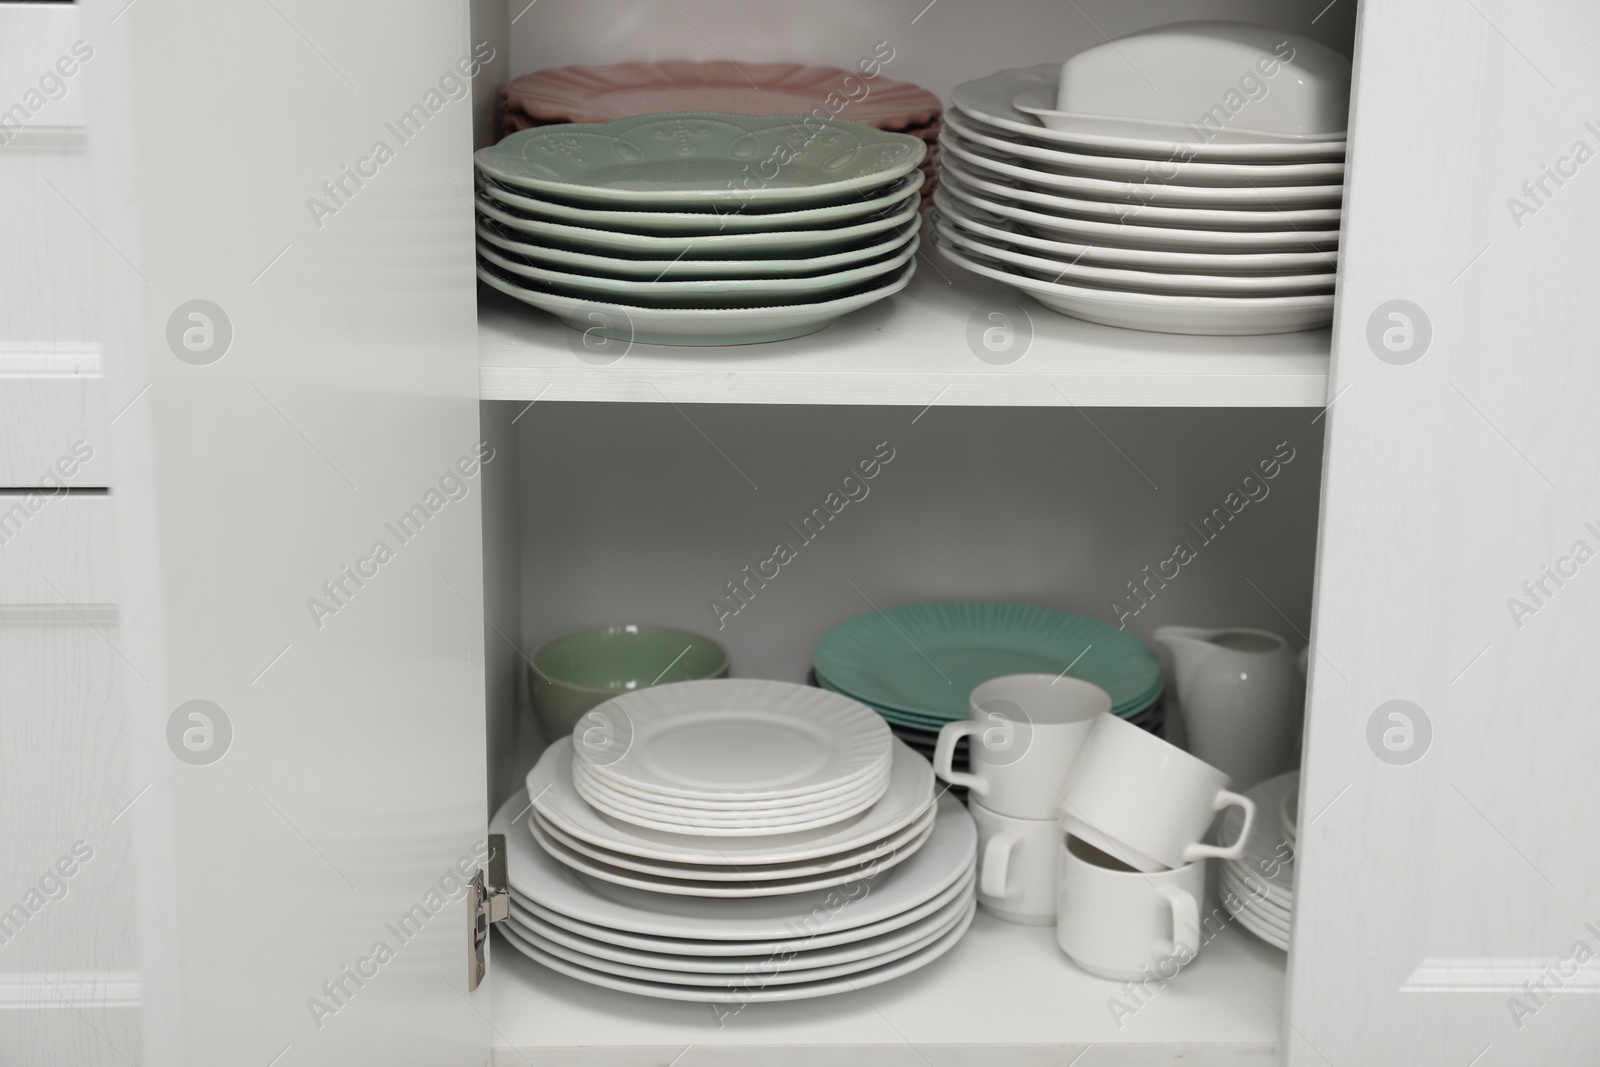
[1084,187]
[1258,887]
[732,758]
[788,920]
[699,228]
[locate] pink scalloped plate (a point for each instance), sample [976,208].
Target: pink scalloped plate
[585,93]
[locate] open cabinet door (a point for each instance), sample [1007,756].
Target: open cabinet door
[1448,897]
[286,252]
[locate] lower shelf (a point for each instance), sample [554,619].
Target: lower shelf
[1003,985]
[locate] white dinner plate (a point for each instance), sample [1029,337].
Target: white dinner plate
[749,873]
[723,890]
[685,268]
[813,937]
[993,100]
[737,738]
[946,855]
[705,824]
[691,325]
[752,990]
[1162,171]
[1135,280]
[793,958]
[1165,312]
[768,973]
[995,156]
[1161,238]
[985,224]
[550,783]
[600,792]
[1123,213]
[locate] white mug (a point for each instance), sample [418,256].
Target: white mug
[1018,862]
[1026,731]
[1116,922]
[1146,802]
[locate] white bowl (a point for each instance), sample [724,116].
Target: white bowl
[1215,80]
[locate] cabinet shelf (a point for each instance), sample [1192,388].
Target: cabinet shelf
[1003,987]
[911,350]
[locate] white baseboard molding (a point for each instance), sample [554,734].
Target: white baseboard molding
[43,990]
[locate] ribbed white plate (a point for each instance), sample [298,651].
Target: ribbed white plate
[794,958]
[815,935]
[752,989]
[744,808]
[666,808]
[720,889]
[749,873]
[736,738]
[533,873]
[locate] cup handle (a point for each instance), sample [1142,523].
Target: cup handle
[1185,943]
[1226,799]
[944,753]
[997,865]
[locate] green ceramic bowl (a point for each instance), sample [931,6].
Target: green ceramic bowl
[574,673]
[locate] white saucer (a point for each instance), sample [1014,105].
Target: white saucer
[910,791]
[535,874]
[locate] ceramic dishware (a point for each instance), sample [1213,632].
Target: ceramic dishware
[1243,699]
[1017,866]
[1120,923]
[1221,82]
[1025,730]
[1146,802]
[700,160]
[1288,814]
[573,673]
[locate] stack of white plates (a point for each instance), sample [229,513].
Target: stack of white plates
[885,912]
[1258,887]
[699,228]
[1130,222]
[732,758]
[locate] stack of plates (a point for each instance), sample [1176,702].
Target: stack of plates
[1138,228]
[699,228]
[873,912]
[732,758]
[917,665]
[1258,887]
[587,93]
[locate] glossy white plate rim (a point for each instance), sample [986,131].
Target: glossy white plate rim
[744,806]
[946,855]
[673,821]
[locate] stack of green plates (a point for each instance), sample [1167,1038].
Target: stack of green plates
[917,665]
[698,228]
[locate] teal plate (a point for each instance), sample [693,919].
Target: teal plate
[927,658]
[918,721]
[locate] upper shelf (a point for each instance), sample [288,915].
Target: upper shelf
[912,350]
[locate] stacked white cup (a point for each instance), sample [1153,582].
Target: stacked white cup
[1089,822]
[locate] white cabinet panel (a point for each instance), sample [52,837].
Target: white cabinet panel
[324,399]
[1446,846]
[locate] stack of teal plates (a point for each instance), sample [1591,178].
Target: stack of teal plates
[917,665]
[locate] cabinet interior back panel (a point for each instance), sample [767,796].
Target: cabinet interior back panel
[938,44]
[644,513]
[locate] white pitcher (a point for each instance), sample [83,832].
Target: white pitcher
[1242,694]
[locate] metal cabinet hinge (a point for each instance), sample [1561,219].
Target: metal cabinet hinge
[488,902]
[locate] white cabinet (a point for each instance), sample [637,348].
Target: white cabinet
[300,359]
